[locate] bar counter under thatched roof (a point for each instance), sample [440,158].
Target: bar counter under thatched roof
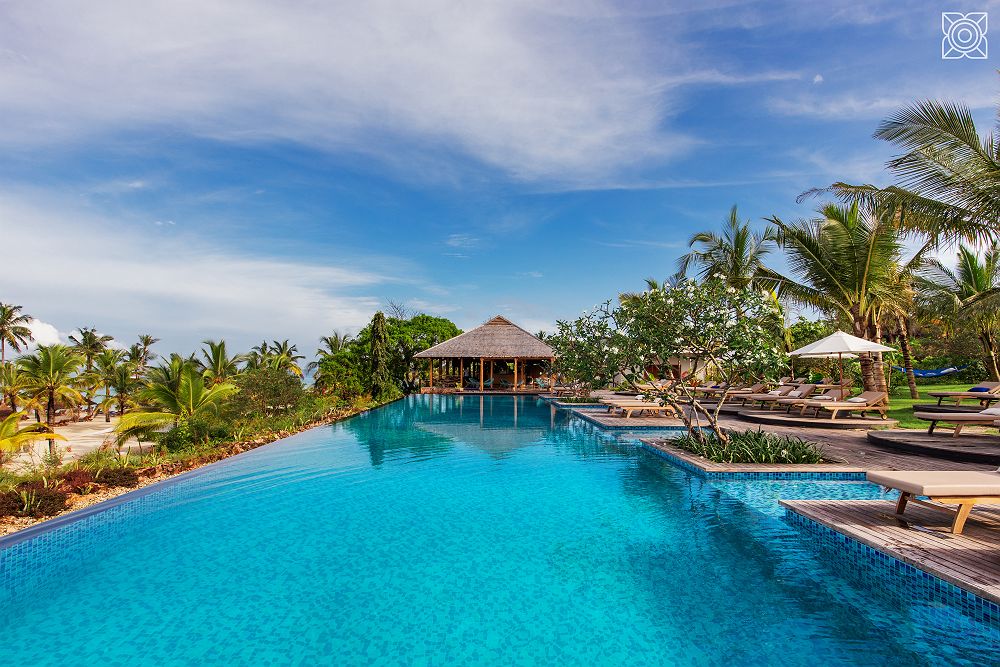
[499,338]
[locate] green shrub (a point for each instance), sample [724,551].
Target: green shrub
[752,447]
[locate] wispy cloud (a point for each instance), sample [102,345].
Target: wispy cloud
[125,282]
[461,241]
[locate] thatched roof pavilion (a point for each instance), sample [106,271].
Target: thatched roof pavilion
[497,341]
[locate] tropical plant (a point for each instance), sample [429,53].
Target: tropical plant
[947,175]
[216,363]
[14,329]
[737,255]
[50,380]
[169,405]
[13,437]
[963,294]
[12,383]
[89,343]
[848,263]
[329,346]
[380,381]
[118,378]
[752,447]
[141,353]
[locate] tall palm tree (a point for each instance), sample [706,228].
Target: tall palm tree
[14,329]
[170,405]
[285,357]
[329,346]
[947,173]
[146,342]
[12,383]
[964,293]
[848,263]
[51,379]
[125,385]
[89,343]
[106,366]
[737,255]
[216,363]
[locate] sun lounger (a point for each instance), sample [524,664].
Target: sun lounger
[630,406]
[803,391]
[865,402]
[959,419]
[984,392]
[965,488]
[800,402]
[763,397]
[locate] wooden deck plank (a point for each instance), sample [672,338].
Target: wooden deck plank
[920,537]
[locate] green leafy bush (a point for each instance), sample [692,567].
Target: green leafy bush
[752,447]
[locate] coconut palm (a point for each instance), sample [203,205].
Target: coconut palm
[329,346]
[12,383]
[169,405]
[737,255]
[849,262]
[947,173]
[962,292]
[122,381]
[216,363]
[106,366]
[13,437]
[89,343]
[285,357]
[50,379]
[14,329]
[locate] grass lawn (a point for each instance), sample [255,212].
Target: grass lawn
[901,405]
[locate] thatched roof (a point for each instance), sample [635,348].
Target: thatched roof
[499,338]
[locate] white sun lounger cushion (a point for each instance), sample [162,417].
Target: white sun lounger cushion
[774,392]
[857,399]
[939,482]
[993,412]
[824,397]
[794,394]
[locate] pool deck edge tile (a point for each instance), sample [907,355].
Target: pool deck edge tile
[706,468]
[970,562]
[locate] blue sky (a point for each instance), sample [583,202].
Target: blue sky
[256,170]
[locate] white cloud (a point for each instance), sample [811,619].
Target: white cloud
[818,78]
[43,333]
[179,288]
[535,92]
[461,241]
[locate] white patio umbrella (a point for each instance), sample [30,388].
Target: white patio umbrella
[839,344]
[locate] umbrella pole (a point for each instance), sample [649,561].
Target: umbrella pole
[840,357]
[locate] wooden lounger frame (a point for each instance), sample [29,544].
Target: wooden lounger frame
[965,505]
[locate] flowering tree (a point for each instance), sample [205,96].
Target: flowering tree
[735,335]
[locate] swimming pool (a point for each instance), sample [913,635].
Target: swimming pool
[458,530]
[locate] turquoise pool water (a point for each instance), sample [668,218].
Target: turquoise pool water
[459,531]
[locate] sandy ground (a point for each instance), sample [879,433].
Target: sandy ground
[81,438]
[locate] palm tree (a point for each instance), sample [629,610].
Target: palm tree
[737,255]
[89,344]
[170,405]
[14,329]
[217,365]
[285,357]
[948,175]
[146,342]
[106,366]
[124,384]
[848,263]
[50,379]
[13,437]
[12,383]
[964,293]
[329,346]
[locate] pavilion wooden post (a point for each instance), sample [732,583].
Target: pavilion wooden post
[515,372]
[480,382]
[461,374]
[430,372]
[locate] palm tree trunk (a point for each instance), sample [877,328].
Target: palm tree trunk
[990,348]
[878,367]
[865,359]
[50,419]
[904,346]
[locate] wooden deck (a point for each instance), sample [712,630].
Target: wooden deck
[782,418]
[616,421]
[966,448]
[920,537]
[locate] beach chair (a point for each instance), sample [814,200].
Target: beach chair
[868,401]
[984,392]
[829,395]
[780,392]
[965,488]
[801,392]
[630,406]
[958,420]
